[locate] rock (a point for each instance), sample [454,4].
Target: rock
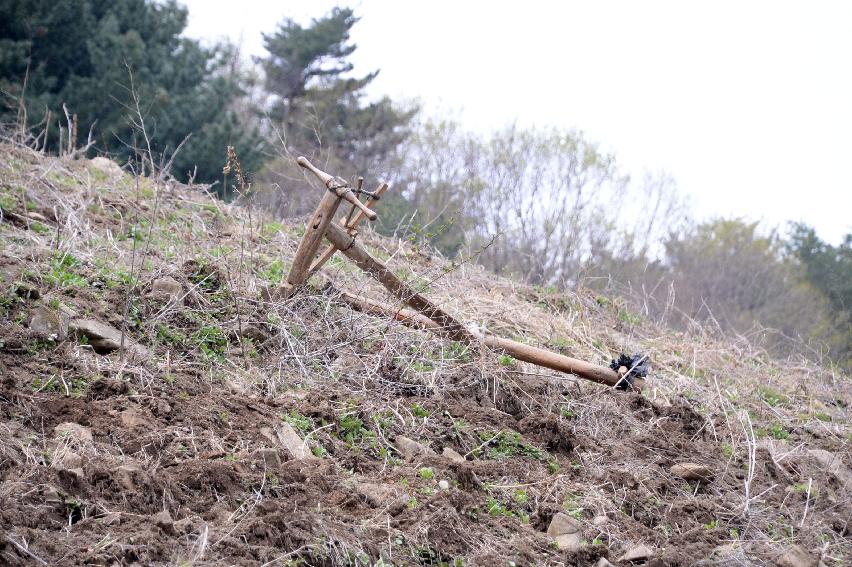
[270,458]
[796,557]
[411,449]
[600,520]
[47,323]
[132,418]
[104,338]
[834,465]
[67,311]
[106,165]
[288,437]
[602,562]
[163,520]
[71,429]
[566,531]
[563,524]
[443,485]
[692,471]
[568,542]
[451,454]
[637,554]
[166,288]
[375,494]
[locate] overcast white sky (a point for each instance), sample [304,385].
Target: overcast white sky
[748,105]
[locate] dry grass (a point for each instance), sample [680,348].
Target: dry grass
[230,357]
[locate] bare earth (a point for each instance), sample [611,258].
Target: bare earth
[235,428]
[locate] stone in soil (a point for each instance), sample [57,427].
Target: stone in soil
[46,323]
[692,471]
[637,554]
[451,454]
[107,166]
[411,449]
[566,531]
[287,436]
[166,288]
[75,430]
[105,338]
[797,557]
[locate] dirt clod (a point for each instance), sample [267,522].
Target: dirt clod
[796,557]
[692,471]
[164,521]
[637,554]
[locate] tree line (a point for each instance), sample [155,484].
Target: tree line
[543,205]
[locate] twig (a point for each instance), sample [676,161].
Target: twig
[807,502]
[24,550]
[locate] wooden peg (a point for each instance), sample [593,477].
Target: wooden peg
[338,186]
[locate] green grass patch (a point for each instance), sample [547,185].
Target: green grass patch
[508,444]
[772,396]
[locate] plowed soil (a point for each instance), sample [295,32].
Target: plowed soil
[174,450]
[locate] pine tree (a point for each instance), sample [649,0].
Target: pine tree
[83,52]
[316,102]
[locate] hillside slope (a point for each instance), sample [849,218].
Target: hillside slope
[235,428]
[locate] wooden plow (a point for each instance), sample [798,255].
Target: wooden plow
[423,314]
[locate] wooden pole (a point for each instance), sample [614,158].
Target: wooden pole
[338,189]
[338,186]
[427,314]
[351,224]
[520,351]
[344,242]
[310,243]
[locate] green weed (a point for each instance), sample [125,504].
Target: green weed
[298,421]
[419,410]
[63,272]
[211,340]
[771,396]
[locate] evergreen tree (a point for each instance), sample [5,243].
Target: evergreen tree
[829,269]
[319,107]
[82,53]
